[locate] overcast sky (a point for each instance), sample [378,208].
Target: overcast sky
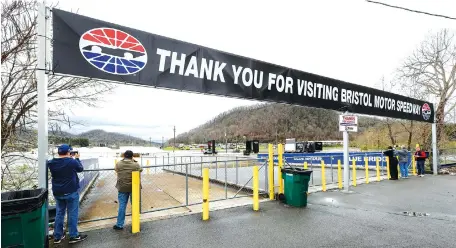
[350,40]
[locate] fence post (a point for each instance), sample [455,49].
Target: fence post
[367,169]
[378,168]
[323,176]
[237,171]
[256,203]
[271,172]
[305,165]
[388,167]
[135,226]
[205,193]
[216,168]
[280,158]
[354,171]
[339,174]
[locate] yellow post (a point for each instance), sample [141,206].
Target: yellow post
[354,171]
[271,171]
[378,169]
[339,174]
[413,166]
[388,167]
[323,176]
[280,158]
[398,168]
[147,170]
[135,226]
[256,202]
[115,165]
[305,165]
[205,193]
[367,169]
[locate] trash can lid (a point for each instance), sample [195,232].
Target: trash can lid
[297,171]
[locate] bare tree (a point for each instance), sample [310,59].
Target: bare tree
[19,92]
[433,67]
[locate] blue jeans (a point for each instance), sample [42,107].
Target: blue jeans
[404,169]
[420,165]
[123,201]
[63,204]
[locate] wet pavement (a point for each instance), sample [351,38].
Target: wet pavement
[372,215]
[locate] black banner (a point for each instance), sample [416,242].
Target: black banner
[87,47]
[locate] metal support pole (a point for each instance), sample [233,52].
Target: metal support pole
[279,173]
[42,88]
[271,172]
[237,171]
[346,165]
[435,155]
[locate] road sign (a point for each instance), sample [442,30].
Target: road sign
[348,123]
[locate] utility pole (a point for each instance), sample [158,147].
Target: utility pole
[174,129]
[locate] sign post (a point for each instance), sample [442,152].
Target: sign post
[347,123]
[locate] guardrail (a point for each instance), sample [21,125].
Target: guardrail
[175,187]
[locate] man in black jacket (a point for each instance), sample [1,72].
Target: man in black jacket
[391,154]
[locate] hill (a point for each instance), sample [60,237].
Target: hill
[271,123]
[98,136]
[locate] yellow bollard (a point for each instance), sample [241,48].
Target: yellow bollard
[354,171]
[271,172]
[367,169]
[339,174]
[305,165]
[135,215]
[256,201]
[399,175]
[323,176]
[387,167]
[378,169]
[205,193]
[413,166]
[280,158]
[147,170]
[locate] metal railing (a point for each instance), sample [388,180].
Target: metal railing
[176,186]
[86,179]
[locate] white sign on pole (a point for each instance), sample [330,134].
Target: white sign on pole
[348,123]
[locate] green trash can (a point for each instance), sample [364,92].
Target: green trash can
[296,184]
[23,218]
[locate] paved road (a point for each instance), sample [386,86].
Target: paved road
[371,216]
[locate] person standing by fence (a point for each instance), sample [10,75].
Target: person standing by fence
[391,154]
[124,168]
[420,158]
[403,161]
[65,185]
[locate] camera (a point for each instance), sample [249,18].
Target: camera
[72,153]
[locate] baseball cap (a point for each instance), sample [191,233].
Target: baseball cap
[64,149]
[128,154]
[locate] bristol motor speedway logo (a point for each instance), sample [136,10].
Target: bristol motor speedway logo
[113,51]
[426,111]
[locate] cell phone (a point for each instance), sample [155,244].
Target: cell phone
[72,153]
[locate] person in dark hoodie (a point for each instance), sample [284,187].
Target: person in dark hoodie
[65,185]
[391,154]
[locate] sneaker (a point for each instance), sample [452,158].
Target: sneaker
[79,238]
[58,241]
[116,227]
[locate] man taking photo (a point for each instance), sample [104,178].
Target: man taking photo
[124,168]
[65,185]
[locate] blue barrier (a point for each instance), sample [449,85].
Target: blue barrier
[331,158]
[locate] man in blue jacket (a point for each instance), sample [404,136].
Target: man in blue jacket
[65,185]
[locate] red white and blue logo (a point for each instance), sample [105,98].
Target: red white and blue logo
[426,111]
[113,51]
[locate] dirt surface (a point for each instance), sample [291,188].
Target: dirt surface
[159,191]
